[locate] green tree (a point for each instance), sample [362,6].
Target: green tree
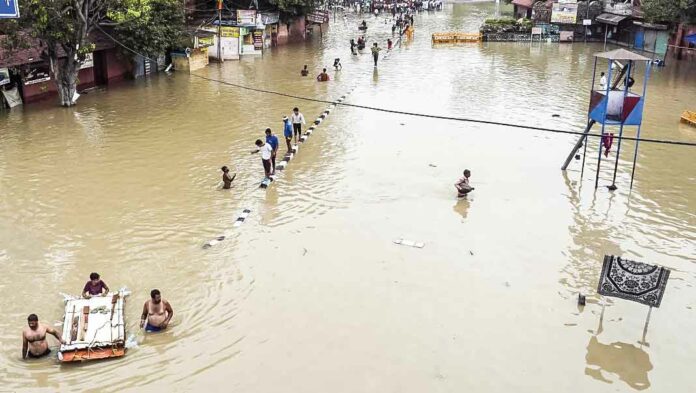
[671,11]
[291,7]
[63,27]
[149,27]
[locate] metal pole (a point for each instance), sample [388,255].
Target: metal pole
[219,48]
[618,147]
[606,31]
[635,153]
[604,120]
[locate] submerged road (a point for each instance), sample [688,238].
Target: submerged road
[311,294]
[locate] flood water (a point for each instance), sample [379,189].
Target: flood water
[311,294]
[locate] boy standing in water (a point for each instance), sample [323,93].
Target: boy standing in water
[304,71]
[226,178]
[298,119]
[462,185]
[266,152]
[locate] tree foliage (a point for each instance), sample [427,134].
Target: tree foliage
[290,7]
[671,11]
[149,27]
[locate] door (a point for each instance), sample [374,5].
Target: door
[661,43]
[638,44]
[100,71]
[650,38]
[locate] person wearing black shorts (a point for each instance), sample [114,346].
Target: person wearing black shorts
[297,121]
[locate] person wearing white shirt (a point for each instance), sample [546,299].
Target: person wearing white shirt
[603,82]
[266,152]
[297,121]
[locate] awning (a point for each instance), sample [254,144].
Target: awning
[691,39]
[523,3]
[611,19]
[621,54]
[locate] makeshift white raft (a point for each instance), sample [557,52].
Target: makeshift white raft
[94,328]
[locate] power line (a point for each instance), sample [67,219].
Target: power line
[430,116]
[451,118]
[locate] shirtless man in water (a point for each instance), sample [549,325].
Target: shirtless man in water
[34,344]
[157,313]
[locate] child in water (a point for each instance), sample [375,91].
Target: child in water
[462,185]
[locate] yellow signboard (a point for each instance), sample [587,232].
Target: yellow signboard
[230,31]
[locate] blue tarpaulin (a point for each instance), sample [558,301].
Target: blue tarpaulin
[691,39]
[9,9]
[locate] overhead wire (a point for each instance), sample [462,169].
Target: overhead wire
[415,114]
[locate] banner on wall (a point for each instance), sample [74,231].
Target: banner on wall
[246,17]
[318,16]
[269,18]
[89,60]
[36,73]
[9,9]
[564,12]
[4,76]
[258,39]
[230,31]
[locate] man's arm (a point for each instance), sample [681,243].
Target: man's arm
[105,288]
[55,334]
[143,317]
[170,312]
[25,346]
[85,292]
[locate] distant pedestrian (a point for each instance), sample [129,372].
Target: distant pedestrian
[226,178]
[389,44]
[304,71]
[337,64]
[353,46]
[266,152]
[323,77]
[298,120]
[462,185]
[287,132]
[375,52]
[273,141]
[393,29]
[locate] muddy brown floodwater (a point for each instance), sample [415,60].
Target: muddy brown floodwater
[311,294]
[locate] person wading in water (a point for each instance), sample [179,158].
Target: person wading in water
[462,185]
[34,344]
[157,313]
[375,52]
[226,178]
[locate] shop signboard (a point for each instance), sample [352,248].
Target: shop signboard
[258,39]
[89,60]
[9,9]
[227,31]
[36,73]
[205,41]
[318,16]
[4,76]
[269,18]
[246,17]
[564,12]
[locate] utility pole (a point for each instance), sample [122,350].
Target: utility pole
[219,44]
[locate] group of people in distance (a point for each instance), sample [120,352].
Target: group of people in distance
[156,315]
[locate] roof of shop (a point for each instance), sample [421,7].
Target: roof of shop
[611,19]
[621,54]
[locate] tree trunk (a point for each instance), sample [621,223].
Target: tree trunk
[66,73]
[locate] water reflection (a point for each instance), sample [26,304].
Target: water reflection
[627,361]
